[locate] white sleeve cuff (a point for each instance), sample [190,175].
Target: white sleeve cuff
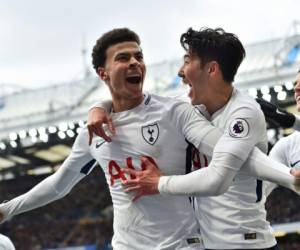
[162,184]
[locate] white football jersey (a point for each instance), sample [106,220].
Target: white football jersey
[287,150]
[158,129]
[5,243]
[236,219]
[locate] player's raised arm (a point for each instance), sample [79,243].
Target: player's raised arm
[57,185]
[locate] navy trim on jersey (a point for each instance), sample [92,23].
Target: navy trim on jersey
[259,184]
[188,165]
[87,167]
[188,157]
[148,100]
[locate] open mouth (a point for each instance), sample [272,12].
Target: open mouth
[134,79]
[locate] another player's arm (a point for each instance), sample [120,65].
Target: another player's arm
[56,186]
[217,178]
[227,160]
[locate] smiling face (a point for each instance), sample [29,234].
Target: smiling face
[124,71]
[196,76]
[297,91]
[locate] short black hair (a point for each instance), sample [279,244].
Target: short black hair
[218,45]
[108,39]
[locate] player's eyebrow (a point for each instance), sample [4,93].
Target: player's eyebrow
[123,54]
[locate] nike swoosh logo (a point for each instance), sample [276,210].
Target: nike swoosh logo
[99,143]
[294,164]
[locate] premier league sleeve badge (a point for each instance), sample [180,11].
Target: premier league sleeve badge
[239,128]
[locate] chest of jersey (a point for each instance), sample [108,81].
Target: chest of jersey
[140,136]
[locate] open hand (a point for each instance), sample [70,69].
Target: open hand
[145,181]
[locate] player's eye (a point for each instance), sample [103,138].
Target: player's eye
[122,57]
[139,57]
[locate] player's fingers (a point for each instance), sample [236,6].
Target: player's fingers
[103,135]
[129,183]
[132,172]
[90,134]
[111,126]
[132,189]
[295,172]
[146,162]
[135,198]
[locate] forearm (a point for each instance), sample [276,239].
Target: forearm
[210,181]
[263,167]
[52,188]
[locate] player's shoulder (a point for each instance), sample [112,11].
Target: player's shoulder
[289,142]
[293,138]
[166,99]
[167,102]
[244,100]
[5,243]
[241,102]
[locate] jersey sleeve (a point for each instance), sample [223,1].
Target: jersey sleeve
[217,177]
[279,150]
[106,105]
[242,132]
[192,124]
[75,167]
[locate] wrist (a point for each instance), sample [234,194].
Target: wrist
[162,184]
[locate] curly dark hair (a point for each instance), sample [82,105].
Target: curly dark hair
[108,39]
[215,45]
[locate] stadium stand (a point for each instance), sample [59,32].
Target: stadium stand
[84,217]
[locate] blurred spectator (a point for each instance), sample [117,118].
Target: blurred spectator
[82,218]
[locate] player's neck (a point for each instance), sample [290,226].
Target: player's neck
[218,97]
[123,104]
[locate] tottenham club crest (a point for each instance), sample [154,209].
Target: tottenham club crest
[239,128]
[150,133]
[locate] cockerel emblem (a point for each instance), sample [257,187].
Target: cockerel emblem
[150,133]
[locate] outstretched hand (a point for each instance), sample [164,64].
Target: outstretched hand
[96,119]
[144,182]
[296,173]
